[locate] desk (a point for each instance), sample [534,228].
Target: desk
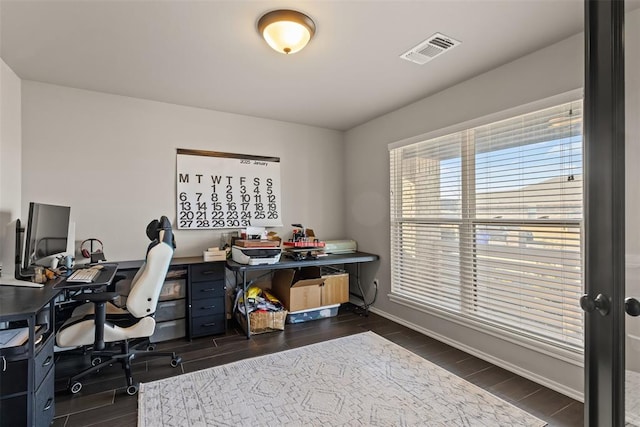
[27,375]
[335,259]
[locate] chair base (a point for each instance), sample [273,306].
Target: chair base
[124,357]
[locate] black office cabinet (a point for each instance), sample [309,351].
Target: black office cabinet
[206,299]
[27,382]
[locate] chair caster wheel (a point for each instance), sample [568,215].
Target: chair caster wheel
[176,361]
[96,361]
[151,347]
[132,389]
[75,387]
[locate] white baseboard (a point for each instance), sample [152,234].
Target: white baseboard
[560,388]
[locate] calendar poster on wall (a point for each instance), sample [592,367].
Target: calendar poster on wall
[222,190]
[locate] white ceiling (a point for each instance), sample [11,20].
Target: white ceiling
[208,54]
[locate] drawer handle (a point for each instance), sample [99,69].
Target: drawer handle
[208,290]
[208,272]
[47,361]
[207,308]
[209,324]
[47,405]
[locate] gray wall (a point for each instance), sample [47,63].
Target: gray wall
[10,139]
[556,69]
[113,160]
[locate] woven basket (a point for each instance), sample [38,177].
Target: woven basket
[267,321]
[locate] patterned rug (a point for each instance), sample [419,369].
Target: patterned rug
[362,379]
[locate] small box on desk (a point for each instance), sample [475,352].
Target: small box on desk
[214,254]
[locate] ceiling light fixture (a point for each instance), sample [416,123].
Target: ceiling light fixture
[286,31]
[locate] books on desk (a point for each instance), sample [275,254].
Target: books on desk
[257,243]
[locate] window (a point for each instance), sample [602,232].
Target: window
[486,225]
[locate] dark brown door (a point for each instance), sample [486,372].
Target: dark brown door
[604,168]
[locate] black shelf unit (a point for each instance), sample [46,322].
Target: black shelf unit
[26,371]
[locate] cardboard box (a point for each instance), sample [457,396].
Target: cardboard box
[305,288]
[336,289]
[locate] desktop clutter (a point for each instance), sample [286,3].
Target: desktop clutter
[92,249]
[292,295]
[257,246]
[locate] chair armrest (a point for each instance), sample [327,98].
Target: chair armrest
[118,277]
[96,297]
[99,299]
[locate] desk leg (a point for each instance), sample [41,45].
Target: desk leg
[365,306]
[244,300]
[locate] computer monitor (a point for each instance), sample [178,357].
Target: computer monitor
[46,235]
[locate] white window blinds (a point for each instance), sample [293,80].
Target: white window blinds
[486,224]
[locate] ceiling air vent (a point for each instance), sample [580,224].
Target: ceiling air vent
[434,46]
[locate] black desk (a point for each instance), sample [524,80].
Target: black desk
[23,303]
[335,259]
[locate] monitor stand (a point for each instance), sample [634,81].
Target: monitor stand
[11,264]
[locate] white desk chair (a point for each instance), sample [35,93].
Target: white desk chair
[117,325]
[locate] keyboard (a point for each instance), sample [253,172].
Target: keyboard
[83,275]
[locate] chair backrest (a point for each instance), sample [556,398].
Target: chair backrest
[147,283]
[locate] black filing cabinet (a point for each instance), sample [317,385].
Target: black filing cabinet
[206,294]
[27,376]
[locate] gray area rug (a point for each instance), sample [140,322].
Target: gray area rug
[362,379]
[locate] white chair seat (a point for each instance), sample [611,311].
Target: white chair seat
[83,333]
[89,308]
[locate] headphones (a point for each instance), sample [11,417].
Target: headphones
[87,252]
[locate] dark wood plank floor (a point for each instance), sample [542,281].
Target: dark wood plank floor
[104,402]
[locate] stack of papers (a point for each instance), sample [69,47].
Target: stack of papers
[13,337]
[258,243]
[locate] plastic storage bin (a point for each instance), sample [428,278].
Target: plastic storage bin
[173,289]
[313,314]
[170,310]
[168,330]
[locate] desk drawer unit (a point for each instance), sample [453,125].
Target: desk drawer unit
[170,312]
[206,295]
[44,401]
[17,394]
